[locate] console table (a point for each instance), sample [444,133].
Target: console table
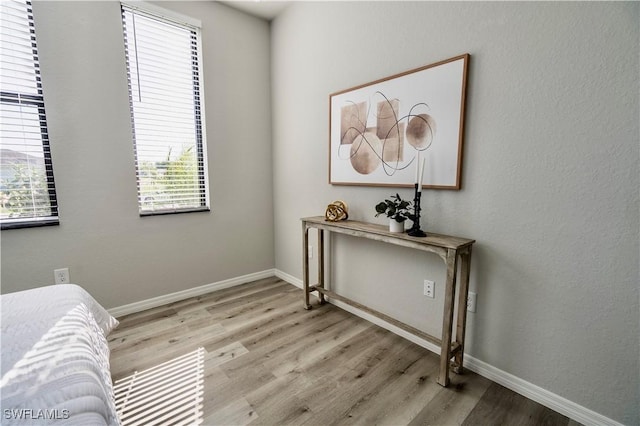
[451,249]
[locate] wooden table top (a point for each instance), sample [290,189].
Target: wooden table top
[358,228]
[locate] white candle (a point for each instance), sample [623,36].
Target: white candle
[421,175]
[417,167]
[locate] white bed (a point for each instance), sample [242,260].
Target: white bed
[55,358]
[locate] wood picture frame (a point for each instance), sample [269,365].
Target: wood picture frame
[381,132]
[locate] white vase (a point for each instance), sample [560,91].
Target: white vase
[395,226]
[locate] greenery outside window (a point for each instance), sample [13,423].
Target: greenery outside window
[163,65]
[27,188]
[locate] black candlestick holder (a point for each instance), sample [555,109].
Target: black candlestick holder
[415,230]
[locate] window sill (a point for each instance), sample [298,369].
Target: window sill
[31,223]
[166,212]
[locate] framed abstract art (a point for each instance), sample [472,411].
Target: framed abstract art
[380,132]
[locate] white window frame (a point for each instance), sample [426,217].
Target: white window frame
[194,25]
[26,98]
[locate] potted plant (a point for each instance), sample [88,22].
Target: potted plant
[397,210]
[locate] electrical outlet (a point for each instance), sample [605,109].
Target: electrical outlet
[471,302]
[61,276]
[310,251]
[430,288]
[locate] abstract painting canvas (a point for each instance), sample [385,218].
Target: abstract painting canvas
[381,131]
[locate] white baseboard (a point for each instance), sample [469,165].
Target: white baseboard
[185,294]
[542,396]
[535,393]
[288,278]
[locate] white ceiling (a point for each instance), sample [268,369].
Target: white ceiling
[266,9]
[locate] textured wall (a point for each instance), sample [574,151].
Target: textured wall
[118,256]
[550,178]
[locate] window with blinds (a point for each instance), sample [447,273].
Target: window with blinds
[166,112]
[26,173]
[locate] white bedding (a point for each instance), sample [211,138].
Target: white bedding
[55,358]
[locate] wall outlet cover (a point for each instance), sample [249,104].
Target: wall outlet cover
[430,288]
[61,276]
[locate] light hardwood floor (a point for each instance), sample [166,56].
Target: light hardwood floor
[262,359]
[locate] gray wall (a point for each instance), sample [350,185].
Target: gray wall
[550,178]
[118,256]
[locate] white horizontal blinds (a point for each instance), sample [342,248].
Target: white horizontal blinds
[162,60]
[27,187]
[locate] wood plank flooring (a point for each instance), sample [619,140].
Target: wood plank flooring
[267,361]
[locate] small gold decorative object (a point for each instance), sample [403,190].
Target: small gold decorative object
[336,211]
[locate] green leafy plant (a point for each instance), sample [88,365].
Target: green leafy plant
[26,193]
[395,208]
[163,184]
